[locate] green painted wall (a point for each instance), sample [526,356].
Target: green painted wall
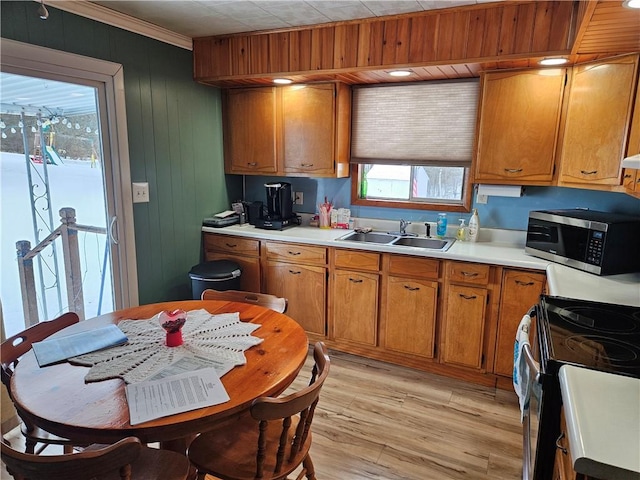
[175,138]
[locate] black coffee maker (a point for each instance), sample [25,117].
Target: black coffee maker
[279,208]
[279,201]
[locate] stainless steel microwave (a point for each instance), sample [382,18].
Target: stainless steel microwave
[596,242]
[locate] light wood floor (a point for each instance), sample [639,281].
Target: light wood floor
[377,421]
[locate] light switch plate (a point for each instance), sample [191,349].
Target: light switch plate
[140,192]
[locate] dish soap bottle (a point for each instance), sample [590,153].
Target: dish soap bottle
[461,234]
[474,226]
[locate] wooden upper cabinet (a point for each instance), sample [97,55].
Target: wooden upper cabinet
[597,121]
[250,131]
[631,176]
[518,124]
[309,129]
[298,130]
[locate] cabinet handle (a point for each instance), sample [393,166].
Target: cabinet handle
[627,175]
[293,253]
[468,297]
[231,245]
[411,289]
[524,284]
[306,165]
[252,164]
[293,272]
[470,274]
[559,446]
[355,280]
[584,172]
[513,170]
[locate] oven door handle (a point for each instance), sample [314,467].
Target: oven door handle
[533,365]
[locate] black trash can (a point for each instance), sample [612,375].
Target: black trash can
[217,274]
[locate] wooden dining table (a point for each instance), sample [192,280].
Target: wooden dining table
[58,399]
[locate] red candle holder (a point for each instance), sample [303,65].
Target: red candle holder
[172,322]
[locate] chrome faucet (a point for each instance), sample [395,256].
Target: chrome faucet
[403,226]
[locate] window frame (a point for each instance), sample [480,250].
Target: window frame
[446,206]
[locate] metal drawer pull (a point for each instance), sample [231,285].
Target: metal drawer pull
[293,253]
[524,284]
[469,274]
[307,165]
[231,245]
[559,446]
[513,170]
[293,272]
[411,289]
[584,172]
[252,164]
[355,280]
[468,297]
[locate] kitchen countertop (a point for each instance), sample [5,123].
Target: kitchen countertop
[605,444]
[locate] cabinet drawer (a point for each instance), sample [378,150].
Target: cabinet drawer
[295,252]
[473,273]
[356,259]
[236,245]
[413,266]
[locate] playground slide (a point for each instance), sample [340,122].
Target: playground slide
[53,156]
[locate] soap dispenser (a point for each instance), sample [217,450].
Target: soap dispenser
[474,226]
[461,234]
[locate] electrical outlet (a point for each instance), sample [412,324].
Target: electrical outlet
[481,199]
[298,196]
[140,192]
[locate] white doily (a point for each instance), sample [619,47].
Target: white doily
[222,338]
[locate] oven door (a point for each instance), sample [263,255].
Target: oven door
[530,419]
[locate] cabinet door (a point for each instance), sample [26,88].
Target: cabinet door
[304,287]
[250,130]
[520,291]
[410,316]
[517,132]
[462,342]
[250,266]
[308,131]
[597,121]
[355,306]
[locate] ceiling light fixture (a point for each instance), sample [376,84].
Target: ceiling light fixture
[553,61]
[400,73]
[282,81]
[631,3]
[42,11]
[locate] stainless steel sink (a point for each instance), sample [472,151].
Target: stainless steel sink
[371,237]
[398,240]
[432,243]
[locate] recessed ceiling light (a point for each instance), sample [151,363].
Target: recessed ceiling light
[631,3]
[282,81]
[553,61]
[400,73]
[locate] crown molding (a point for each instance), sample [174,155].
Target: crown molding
[111,17]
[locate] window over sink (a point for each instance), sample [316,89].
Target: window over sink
[413,144]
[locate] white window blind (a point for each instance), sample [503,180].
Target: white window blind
[426,123]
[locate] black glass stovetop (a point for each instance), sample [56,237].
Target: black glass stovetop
[596,335]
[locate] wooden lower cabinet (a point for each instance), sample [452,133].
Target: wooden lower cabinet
[562,468]
[409,305]
[462,341]
[354,297]
[245,252]
[520,291]
[299,274]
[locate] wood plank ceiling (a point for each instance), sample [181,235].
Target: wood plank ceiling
[457,42]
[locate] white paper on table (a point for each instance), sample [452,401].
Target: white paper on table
[175,394]
[190,364]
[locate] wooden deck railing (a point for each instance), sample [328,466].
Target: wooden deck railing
[68,232]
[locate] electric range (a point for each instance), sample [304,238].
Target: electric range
[594,335]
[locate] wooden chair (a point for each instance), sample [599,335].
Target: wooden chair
[269,444]
[126,459]
[263,299]
[11,350]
